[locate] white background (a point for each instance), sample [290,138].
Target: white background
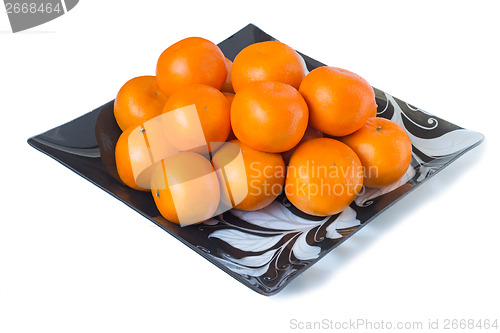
[74,259]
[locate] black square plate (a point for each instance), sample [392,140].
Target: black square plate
[265,249]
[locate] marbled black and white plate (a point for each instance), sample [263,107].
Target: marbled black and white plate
[264,249]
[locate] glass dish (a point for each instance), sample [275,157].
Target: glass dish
[264,249]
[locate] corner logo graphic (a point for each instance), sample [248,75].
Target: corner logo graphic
[26,14]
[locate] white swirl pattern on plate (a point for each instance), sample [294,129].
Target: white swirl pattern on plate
[440,150]
[280,226]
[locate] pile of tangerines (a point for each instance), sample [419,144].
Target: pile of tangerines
[207,134]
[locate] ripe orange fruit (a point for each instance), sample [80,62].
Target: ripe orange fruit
[137,150]
[339,101]
[384,149]
[269,116]
[267,61]
[138,100]
[228,84]
[203,130]
[311,133]
[323,177]
[250,180]
[191,60]
[185,188]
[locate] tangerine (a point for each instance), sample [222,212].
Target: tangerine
[137,150]
[138,100]
[267,61]
[203,127]
[250,179]
[185,188]
[269,116]
[191,60]
[384,149]
[339,101]
[323,177]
